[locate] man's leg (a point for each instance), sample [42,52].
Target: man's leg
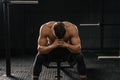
[37,66]
[81,67]
[40,59]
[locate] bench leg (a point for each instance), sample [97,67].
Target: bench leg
[58,71]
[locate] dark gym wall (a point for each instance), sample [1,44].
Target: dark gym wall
[111,16]
[25,21]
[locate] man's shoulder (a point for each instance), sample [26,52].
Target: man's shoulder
[67,22]
[47,24]
[70,25]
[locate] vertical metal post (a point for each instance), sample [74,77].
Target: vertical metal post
[58,70]
[102,27]
[7,36]
[7,30]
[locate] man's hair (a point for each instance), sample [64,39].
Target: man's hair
[59,30]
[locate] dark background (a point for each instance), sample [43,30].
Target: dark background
[25,21]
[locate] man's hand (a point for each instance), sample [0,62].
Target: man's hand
[60,43]
[64,45]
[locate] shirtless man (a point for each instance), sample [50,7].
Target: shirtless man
[58,39]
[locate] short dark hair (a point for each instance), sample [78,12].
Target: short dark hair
[59,30]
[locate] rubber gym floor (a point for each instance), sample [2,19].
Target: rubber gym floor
[21,69]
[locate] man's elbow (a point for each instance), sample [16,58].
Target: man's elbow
[78,49]
[40,49]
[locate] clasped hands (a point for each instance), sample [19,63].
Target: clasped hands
[60,43]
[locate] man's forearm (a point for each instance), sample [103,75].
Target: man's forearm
[45,49]
[74,48]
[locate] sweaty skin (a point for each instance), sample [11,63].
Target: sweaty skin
[47,40]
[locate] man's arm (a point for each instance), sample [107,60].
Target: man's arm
[75,46]
[43,48]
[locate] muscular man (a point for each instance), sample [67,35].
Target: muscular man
[58,39]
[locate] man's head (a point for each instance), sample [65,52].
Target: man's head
[59,30]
